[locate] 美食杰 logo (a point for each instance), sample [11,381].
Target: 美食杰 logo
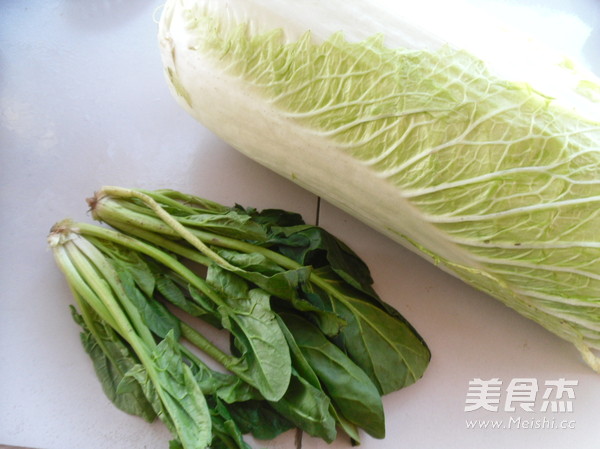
[528,403]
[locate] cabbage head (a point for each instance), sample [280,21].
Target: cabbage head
[495,179]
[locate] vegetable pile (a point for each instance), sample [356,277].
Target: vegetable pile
[494,179]
[311,345]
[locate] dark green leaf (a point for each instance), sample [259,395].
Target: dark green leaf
[186,297]
[247,314]
[229,224]
[264,273]
[227,387]
[299,362]
[308,408]
[273,217]
[259,418]
[155,315]
[184,406]
[285,284]
[385,346]
[226,433]
[352,393]
[312,245]
[112,359]
[175,444]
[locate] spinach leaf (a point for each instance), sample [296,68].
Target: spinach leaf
[169,385]
[259,418]
[285,284]
[246,313]
[306,371]
[230,224]
[314,246]
[273,217]
[186,297]
[227,387]
[264,273]
[185,409]
[299,362]
[385,346]
[138,282]
[112,358]
[155,315]
[350,428]
[308,408]
[226,433]
[350,389]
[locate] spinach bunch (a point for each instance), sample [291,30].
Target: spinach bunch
[311,345]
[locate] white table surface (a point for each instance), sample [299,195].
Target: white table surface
[83,104]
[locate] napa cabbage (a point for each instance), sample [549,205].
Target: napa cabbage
[489,169]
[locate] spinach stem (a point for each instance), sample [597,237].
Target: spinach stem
[88,272]
[235,365]
[205,345]
[92,326]
[153,252]
[109,210]
[169,220]
[99,262]
[78,285]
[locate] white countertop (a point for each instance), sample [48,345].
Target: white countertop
[83,104]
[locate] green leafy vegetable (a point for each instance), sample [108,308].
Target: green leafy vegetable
[486,163]
[304,264]
[306,348]
[154,375]
[165,380]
